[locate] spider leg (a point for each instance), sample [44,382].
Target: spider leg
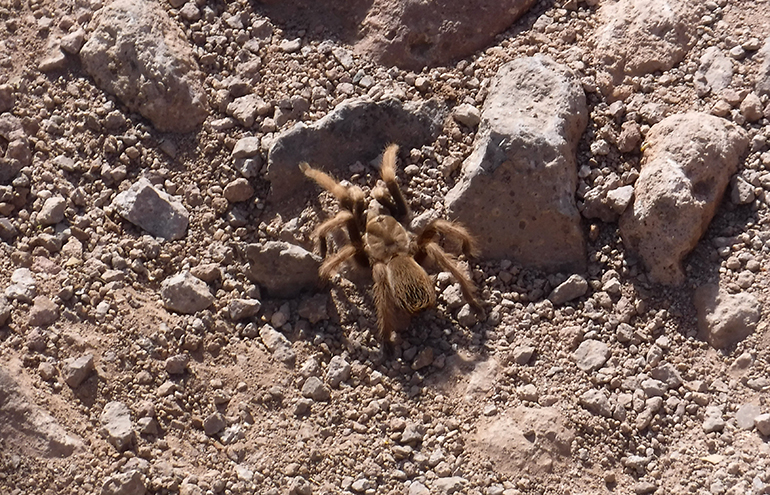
[320,232]
[397,206]
[449,263]
[351,198]
[382,196]
[387,320]
[448,229]
[331,264]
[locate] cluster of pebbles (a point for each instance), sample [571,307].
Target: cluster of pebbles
[140,357]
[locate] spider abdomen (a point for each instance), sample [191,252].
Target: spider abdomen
[411,286]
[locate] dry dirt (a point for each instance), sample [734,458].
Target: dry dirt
[356,442]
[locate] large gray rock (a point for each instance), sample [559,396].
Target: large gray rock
[517,190]
[137,53]
[153,210]
[27,429]
[185,293]
[685,169]
[725,319]
[407,33]
[412,35]
[357,130]
[283,269]
[525,440]
[642,36]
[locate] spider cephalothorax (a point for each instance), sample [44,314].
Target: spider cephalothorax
[382,242]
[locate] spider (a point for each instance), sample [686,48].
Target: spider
[396,256]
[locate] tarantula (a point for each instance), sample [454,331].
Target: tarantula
[396,255]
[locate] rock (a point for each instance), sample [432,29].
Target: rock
[412,434]
[283,269]
[8,230]
[524,440]
[17,150]
[751,108]
[314,308]
[55,60]
[152,210]
[725,319]
[329,145]
[277,344]
[686,167]
[243,308]
[245,109]
[449,485]
[522,354]
[139,54]
[315,389]
[618,199]
[52,211]
[591,355]
[667,374]
[185,294]
[246,147]
[575,286]
[762,422]
[7,98]
[741,192]
[412,35]
[72,42]
[714,73]
[214,423]
[630,136]
[712,419]
[5,311]
[423,359]
[417,488]
[208,272]
[744,416]
[467,115]
[596,402]
[43,312]
[337,372]
[238,190]
[762,78]
[516,193]
[643,36]
[404,33]
[27,429]
[177,364]
[116,424]
[76,370]
[23,285]
[128,483]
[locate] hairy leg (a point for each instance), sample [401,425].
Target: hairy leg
[449,263]
[449,229]
[351,198]
[387,320]
[398,206]
[320,232]
[331,264]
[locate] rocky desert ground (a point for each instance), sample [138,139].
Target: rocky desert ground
[162,326]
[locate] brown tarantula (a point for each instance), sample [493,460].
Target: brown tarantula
[395,254]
